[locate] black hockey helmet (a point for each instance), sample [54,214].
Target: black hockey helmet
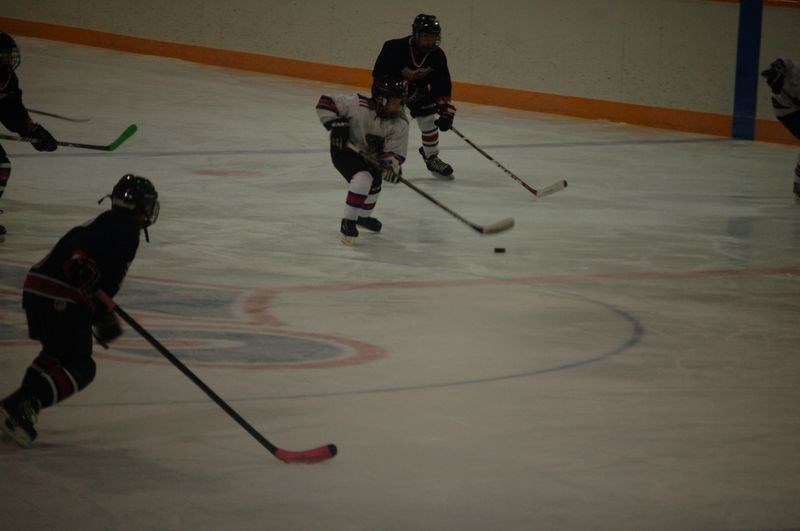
[9,52]
[137,195]
[385,88]
[426,25]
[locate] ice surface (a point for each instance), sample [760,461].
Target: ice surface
[631,361]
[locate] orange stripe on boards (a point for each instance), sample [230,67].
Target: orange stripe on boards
[676,119]
[774,131]
[683,120]
[188,52]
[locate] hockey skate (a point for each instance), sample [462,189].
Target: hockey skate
[349,231]
[795,188]
[2,234]
[17,418]
[370,224]
[437,166]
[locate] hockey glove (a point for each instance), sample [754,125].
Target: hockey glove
[446,114]
[44,140]
[106,328]
[391,170]
[340,132]
[81,272]
[775,75]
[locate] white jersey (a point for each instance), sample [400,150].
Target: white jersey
[384,138]
[788,101]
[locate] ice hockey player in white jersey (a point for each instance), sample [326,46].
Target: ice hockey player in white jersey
[376,126]
[783,77]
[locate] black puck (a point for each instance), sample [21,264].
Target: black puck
[499,249]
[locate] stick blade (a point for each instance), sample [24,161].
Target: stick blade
[315,455]
[553,188]
[500,226]
[126,134]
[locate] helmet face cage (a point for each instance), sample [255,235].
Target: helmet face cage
[426,25]
[385,89]
[138,195]
[9,52]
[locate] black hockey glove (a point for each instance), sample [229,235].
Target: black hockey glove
[81,272]
[446,114]
[340,132]
[44,140]
[391,171]
[106,327]
[775,75]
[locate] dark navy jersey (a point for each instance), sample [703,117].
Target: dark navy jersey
[12,112]
[111,240]
[427,70]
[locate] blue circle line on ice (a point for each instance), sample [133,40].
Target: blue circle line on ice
[633,338]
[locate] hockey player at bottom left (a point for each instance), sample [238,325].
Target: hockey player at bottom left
[377,127]
[62,311]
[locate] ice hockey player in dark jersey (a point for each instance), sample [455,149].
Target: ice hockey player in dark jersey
[783,77]
[376,126]
[62,311]
[13,114]
[423,64]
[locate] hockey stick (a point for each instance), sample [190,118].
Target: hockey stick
[314,455]
[60,117]
[500,226]
[126,134]
[553,188]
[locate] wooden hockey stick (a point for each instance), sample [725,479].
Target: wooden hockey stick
[494,228]
[314,455]
[126,134]
[60,117]
[541,192]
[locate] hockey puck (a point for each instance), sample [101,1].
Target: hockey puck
[499,249]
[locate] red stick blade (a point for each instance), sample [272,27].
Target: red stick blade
[315,455]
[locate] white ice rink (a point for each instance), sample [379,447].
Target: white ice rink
[631,362]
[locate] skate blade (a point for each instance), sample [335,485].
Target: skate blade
[15,433]
[348,240]
[441,177]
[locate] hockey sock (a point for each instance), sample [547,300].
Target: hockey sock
[430,135]
[357,194]
[369,202]
[50,382]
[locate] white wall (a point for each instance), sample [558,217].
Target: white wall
[664,53]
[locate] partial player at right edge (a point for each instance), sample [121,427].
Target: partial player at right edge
[783,77]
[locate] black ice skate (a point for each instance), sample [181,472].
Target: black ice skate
[437,166]
[371,224]
[17,418]
[349,231]
[2,231]
[796,190]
